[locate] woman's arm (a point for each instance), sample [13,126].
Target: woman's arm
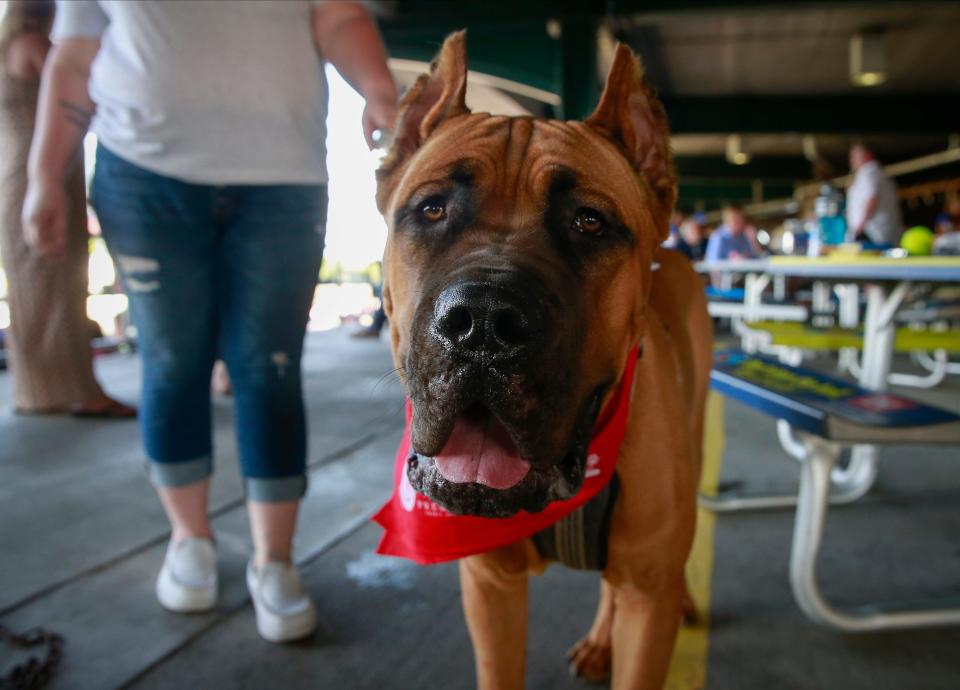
[346,36]
[63,116]
[26,54]
[65,108]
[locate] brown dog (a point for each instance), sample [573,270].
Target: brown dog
[522,266]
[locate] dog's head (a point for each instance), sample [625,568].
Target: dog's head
[517,272]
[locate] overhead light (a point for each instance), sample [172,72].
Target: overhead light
[868,58]
[735,151]
[809,144]
[554,29]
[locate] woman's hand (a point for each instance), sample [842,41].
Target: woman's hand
[63,113]
[380,113]
[45,211]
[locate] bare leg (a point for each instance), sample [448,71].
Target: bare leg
[220,381]
[644,633]
[590,657]
[186,508]
[494,591]
[272,525]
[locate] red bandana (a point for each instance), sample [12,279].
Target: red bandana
[418,529]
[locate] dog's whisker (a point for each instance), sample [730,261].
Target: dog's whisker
[396,374]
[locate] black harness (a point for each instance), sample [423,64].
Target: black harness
[580,539]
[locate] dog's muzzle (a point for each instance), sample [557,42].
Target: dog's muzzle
[482,321]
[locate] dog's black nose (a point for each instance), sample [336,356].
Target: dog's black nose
[475,318]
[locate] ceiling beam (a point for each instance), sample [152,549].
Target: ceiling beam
[649,6]
[707,195]
[647,41]
[765,167]
[468,11]
[520,51]
[889,113]
[577,70]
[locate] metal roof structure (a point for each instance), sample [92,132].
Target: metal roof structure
[775,74]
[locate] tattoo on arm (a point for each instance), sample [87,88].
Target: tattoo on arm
[76,114]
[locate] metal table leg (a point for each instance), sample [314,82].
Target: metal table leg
[937,363]
[878,337]
[848,316]
[807,537]
[847,486]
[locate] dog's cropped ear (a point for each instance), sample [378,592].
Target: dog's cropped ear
[631,115]
[434,97]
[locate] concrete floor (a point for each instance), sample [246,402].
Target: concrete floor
[83,536]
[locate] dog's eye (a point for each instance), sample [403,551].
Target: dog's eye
[589,221]
[433,209]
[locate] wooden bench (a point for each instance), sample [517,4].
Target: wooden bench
[769,336]
[822,415]
[735,303]
[806,337]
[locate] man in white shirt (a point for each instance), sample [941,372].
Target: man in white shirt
[873,210]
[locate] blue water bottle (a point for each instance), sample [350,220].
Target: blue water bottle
[828,208]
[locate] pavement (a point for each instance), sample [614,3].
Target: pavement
[82,538]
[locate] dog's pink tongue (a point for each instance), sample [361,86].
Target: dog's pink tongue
[482,452]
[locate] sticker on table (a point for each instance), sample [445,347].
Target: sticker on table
[882,403]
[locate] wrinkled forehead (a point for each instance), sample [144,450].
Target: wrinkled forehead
[523,157]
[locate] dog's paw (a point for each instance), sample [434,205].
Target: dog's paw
[689,615]
[590,661]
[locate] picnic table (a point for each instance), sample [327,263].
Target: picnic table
[887,282]
[829,414]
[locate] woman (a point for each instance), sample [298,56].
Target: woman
[210,188]
[49,336]
[949,220]
[691,241]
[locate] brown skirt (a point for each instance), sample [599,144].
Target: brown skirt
[48,343]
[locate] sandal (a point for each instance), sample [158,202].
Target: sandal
[112,410]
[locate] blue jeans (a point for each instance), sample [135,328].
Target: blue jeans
[212,272]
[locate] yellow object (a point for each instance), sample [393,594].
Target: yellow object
[688,667]
[789,334]
[918,241]
[847,249]
[867,260]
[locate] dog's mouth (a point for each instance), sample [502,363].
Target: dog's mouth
[482,471]
[480,450]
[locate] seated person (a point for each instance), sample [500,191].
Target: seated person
[949,220]
[676,220]
[731,240]
[691,241]
[947,228]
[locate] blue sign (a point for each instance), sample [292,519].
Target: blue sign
[807,398]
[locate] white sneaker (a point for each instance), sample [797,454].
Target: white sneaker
[284,612]
[188,578]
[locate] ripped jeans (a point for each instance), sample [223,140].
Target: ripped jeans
[216,272]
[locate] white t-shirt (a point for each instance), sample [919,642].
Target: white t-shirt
[885,225]
[206,91]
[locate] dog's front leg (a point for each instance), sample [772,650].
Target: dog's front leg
[494,590]
[645,628]
[590,657]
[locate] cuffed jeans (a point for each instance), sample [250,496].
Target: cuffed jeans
[216,271]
